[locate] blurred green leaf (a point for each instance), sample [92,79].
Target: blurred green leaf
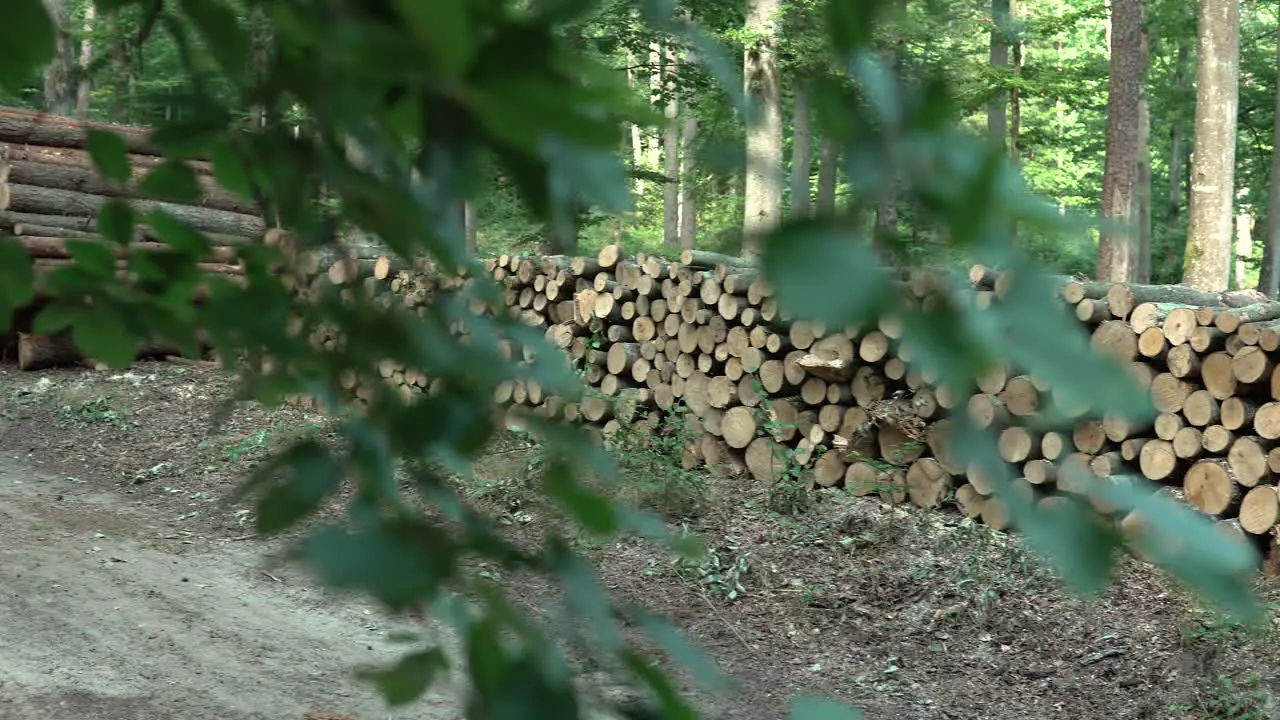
[409,678]
[820,273]
[444,27]
[222,34]
[93,256]
[315,477]
[177,234]
[810,707]
[173,181]
[17,277]
[110,154]
[102,334]
[116,221]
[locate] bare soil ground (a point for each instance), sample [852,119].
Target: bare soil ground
[127,590]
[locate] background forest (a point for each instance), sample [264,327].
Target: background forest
[1038,81]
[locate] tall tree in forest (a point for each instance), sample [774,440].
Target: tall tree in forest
[1115,252]
[1177,142]
[801,153]
[1208,255]
[59,94]
[828,175]
[763,188]
[689,168]
[85,87]
[998,105]
[1269,273]
[671,152]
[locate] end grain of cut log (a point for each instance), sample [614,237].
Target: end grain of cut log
[1210,487]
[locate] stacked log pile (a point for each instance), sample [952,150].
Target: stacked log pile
[844,407]
[51,194]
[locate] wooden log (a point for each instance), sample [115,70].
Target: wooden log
[1229,320]
[37,352]
[1210,487]
[54,247]
[45,201]
[1248,460]
[927,482]
[766,459]
[1123,297]
[51,155]
[1260,510]
[24,127]
[87,180]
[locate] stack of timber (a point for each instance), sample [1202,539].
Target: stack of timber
[50,197]
[845,406]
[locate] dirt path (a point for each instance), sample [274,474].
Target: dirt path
[99,619]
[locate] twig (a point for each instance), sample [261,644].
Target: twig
[273,577]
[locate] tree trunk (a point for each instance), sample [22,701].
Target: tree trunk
[655,98]
[1269,276]
[1142,198]
[997,107]
[59,94]
[469,226]
[1208,255]
[671,157]
[763,189]
[828,174]
[1015,96]
[801,155]
[1244,246]
[85,87]
[1177,145]
[1115,244]
[689,181]
[636,132]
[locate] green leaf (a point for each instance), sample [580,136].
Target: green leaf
[110,155]
[408,679]
[93,256]
[55,316]
[102,334]
[821,273]
[177,234]
[690,656]
[444,27]
[226,39]
[315,477]
[398,568]
[229,170]
[17,276]
[116,221]
[29,42]
[585,595]
[593,511]
[173,181]
[811,707]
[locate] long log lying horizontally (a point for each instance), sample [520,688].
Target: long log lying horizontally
[46,201]
[87,180]
[28,127]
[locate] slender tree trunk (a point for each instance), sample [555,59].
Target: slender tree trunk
[1269,276]
[1208,256]
[1244,247]
[828,173]
[763,187]
[997,107]
[59,94]
[689,171]
[85,87]
[636,132]
[1115,243]
[801,155]
[671,157]
[1015,96]
[1177,144]
[1142,197]
[655,98]
[469,226]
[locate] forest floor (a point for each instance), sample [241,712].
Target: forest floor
[129,589]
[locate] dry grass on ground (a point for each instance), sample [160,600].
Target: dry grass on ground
[908,614]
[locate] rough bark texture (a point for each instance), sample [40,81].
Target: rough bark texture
[59,93]
[671,157]
[1177,144]
[801,155]
[1114,245]
[998,106]
[1208,255]
[85,86]
[1269,275]
[1142,197]
[763,191]
[46,201]
[689,182]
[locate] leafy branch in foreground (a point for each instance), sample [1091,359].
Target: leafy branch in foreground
[394,92]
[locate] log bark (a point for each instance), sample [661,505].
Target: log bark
[26,127]
[44,201]
[87,180]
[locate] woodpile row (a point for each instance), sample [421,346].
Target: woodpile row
[844,407]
